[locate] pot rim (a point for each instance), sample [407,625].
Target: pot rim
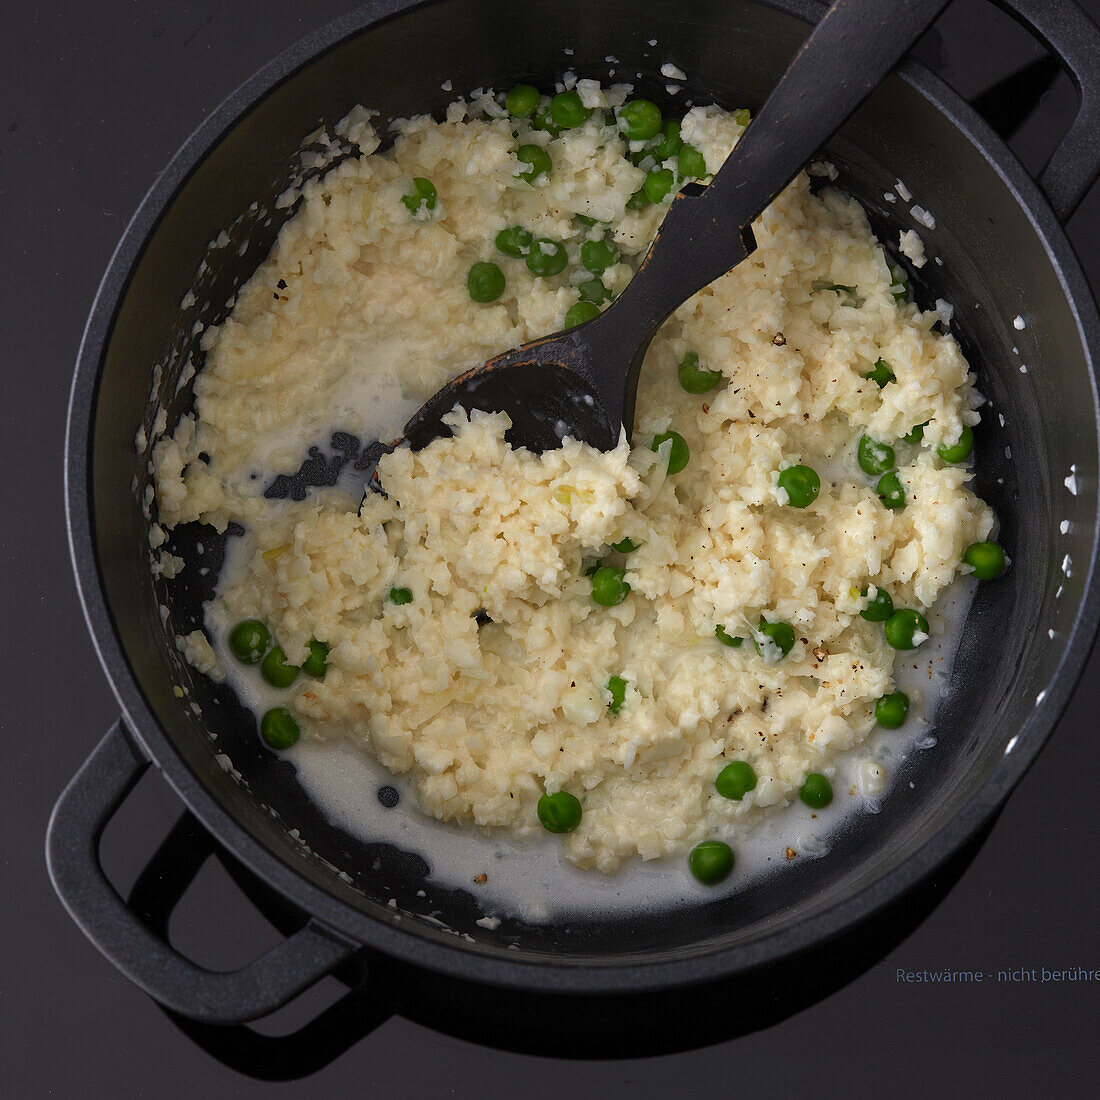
[477,962]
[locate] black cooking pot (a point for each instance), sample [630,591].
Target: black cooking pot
[1004,255]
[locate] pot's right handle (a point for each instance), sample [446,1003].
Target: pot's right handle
[72,853]
[1074,39]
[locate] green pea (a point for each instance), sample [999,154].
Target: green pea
[617,686]
[609,585]
[880,608]
[639,120]
[816,791]
[423,195]
[639,200]
[735,780]
[316,664]
[522,101]
[669,143]
[546,257]
[485,282]
[849,294]
[890,710]
[874,457]
[537,159]
[899,286]
[567,110]
[902,628]
[560,812]
[987,559]
[544,120]
[580,312]
[249,641]
[678,453]
[696,379]
[401,596]
[917,433]
[514,241]
[960,450]
[691,163]
[891,491]
[276,671]
[597,256]
[593,290]
[584,219]
[881,374]
[801,484]
[732,640]
[742,116]
[781,635]
[279,728]
[625,546]
[658,183]
[711,862]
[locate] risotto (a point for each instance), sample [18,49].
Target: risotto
[643,649]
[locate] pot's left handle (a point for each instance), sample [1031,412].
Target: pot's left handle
[72,854]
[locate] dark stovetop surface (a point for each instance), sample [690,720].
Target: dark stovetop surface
[95,99]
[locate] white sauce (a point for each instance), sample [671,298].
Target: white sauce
[528,879]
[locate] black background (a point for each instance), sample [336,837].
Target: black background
[94,100]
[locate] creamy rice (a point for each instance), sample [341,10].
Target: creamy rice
[358,298]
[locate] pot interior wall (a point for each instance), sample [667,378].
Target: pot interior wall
[994,267]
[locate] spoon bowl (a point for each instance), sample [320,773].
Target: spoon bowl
[582,383]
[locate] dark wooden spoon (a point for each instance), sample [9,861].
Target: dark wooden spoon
[583,382]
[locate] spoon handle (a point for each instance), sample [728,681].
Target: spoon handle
[853,49]
[706,231]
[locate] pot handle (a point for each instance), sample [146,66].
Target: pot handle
[72,854]
[1074,40]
